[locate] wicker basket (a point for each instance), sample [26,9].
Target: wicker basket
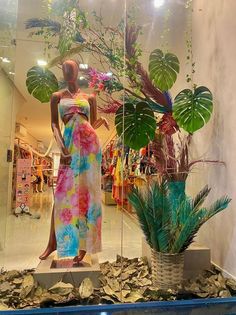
[167,270]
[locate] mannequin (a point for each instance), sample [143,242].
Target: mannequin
[76,217]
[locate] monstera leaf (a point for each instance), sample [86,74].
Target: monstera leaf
[192,110]
[139,125]
[163,69]
[41,83]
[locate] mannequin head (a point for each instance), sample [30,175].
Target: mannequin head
[70,70]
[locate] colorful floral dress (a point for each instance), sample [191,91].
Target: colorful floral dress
[78,194]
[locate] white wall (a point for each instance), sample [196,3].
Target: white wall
[10,102]
[214,48]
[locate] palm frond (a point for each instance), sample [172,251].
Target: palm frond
[157,201]
[163,236]
[218,206]
[138,203]
[43,23]
[189,227]
[201,216]
[170,219]
[200,197]
[184,211]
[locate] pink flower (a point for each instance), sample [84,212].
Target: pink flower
[91,84]
[93,72]
[65,216]
[84,199]
[64,183]
[85,138]
[101,86]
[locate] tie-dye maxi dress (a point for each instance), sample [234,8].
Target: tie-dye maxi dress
[78,193]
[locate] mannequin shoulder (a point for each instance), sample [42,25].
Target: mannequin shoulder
[56,97]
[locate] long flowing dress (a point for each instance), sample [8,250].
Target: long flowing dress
[77,204]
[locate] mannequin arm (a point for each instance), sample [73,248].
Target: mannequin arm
[96,123]
[55,99]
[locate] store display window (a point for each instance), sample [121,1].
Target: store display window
[116,154]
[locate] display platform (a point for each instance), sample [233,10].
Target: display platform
[190,307]
[52,270]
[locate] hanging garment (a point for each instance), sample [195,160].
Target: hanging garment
[119,188]
[78,190]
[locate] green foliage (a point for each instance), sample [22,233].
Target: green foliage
[66,21]
[163,69]
[139,124]
[41,83]
[170,231]
[192,110]
[153,105]
[113,86]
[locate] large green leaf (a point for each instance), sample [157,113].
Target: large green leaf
[163,69]
[41,83]
[139,124]
[192,110]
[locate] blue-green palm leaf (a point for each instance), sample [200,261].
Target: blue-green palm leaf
[167,232]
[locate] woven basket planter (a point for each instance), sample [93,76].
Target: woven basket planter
[167,270]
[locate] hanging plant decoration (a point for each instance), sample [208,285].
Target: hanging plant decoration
[138,125]
[163,69]
[192,110]
[41,83]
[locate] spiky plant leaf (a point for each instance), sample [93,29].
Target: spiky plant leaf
[190,225]
[54,26]
[200,197]
[163,69]
[164,240]
[165,233]
[218,206]
[138,203]
[201,216]
[184,211]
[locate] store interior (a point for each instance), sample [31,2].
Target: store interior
[201,34]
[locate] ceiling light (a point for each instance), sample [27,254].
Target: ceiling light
[158,3]
[83,66]
[81,78]
[13,73]
[5,59]
[41,62]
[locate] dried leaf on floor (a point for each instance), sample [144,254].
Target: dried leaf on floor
[61,288]
[86,288]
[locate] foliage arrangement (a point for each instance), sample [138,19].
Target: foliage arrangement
[67,32]
[145,114]
[170,224]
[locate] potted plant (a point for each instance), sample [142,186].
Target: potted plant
[170,225]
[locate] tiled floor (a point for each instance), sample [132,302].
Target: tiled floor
[26,237]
